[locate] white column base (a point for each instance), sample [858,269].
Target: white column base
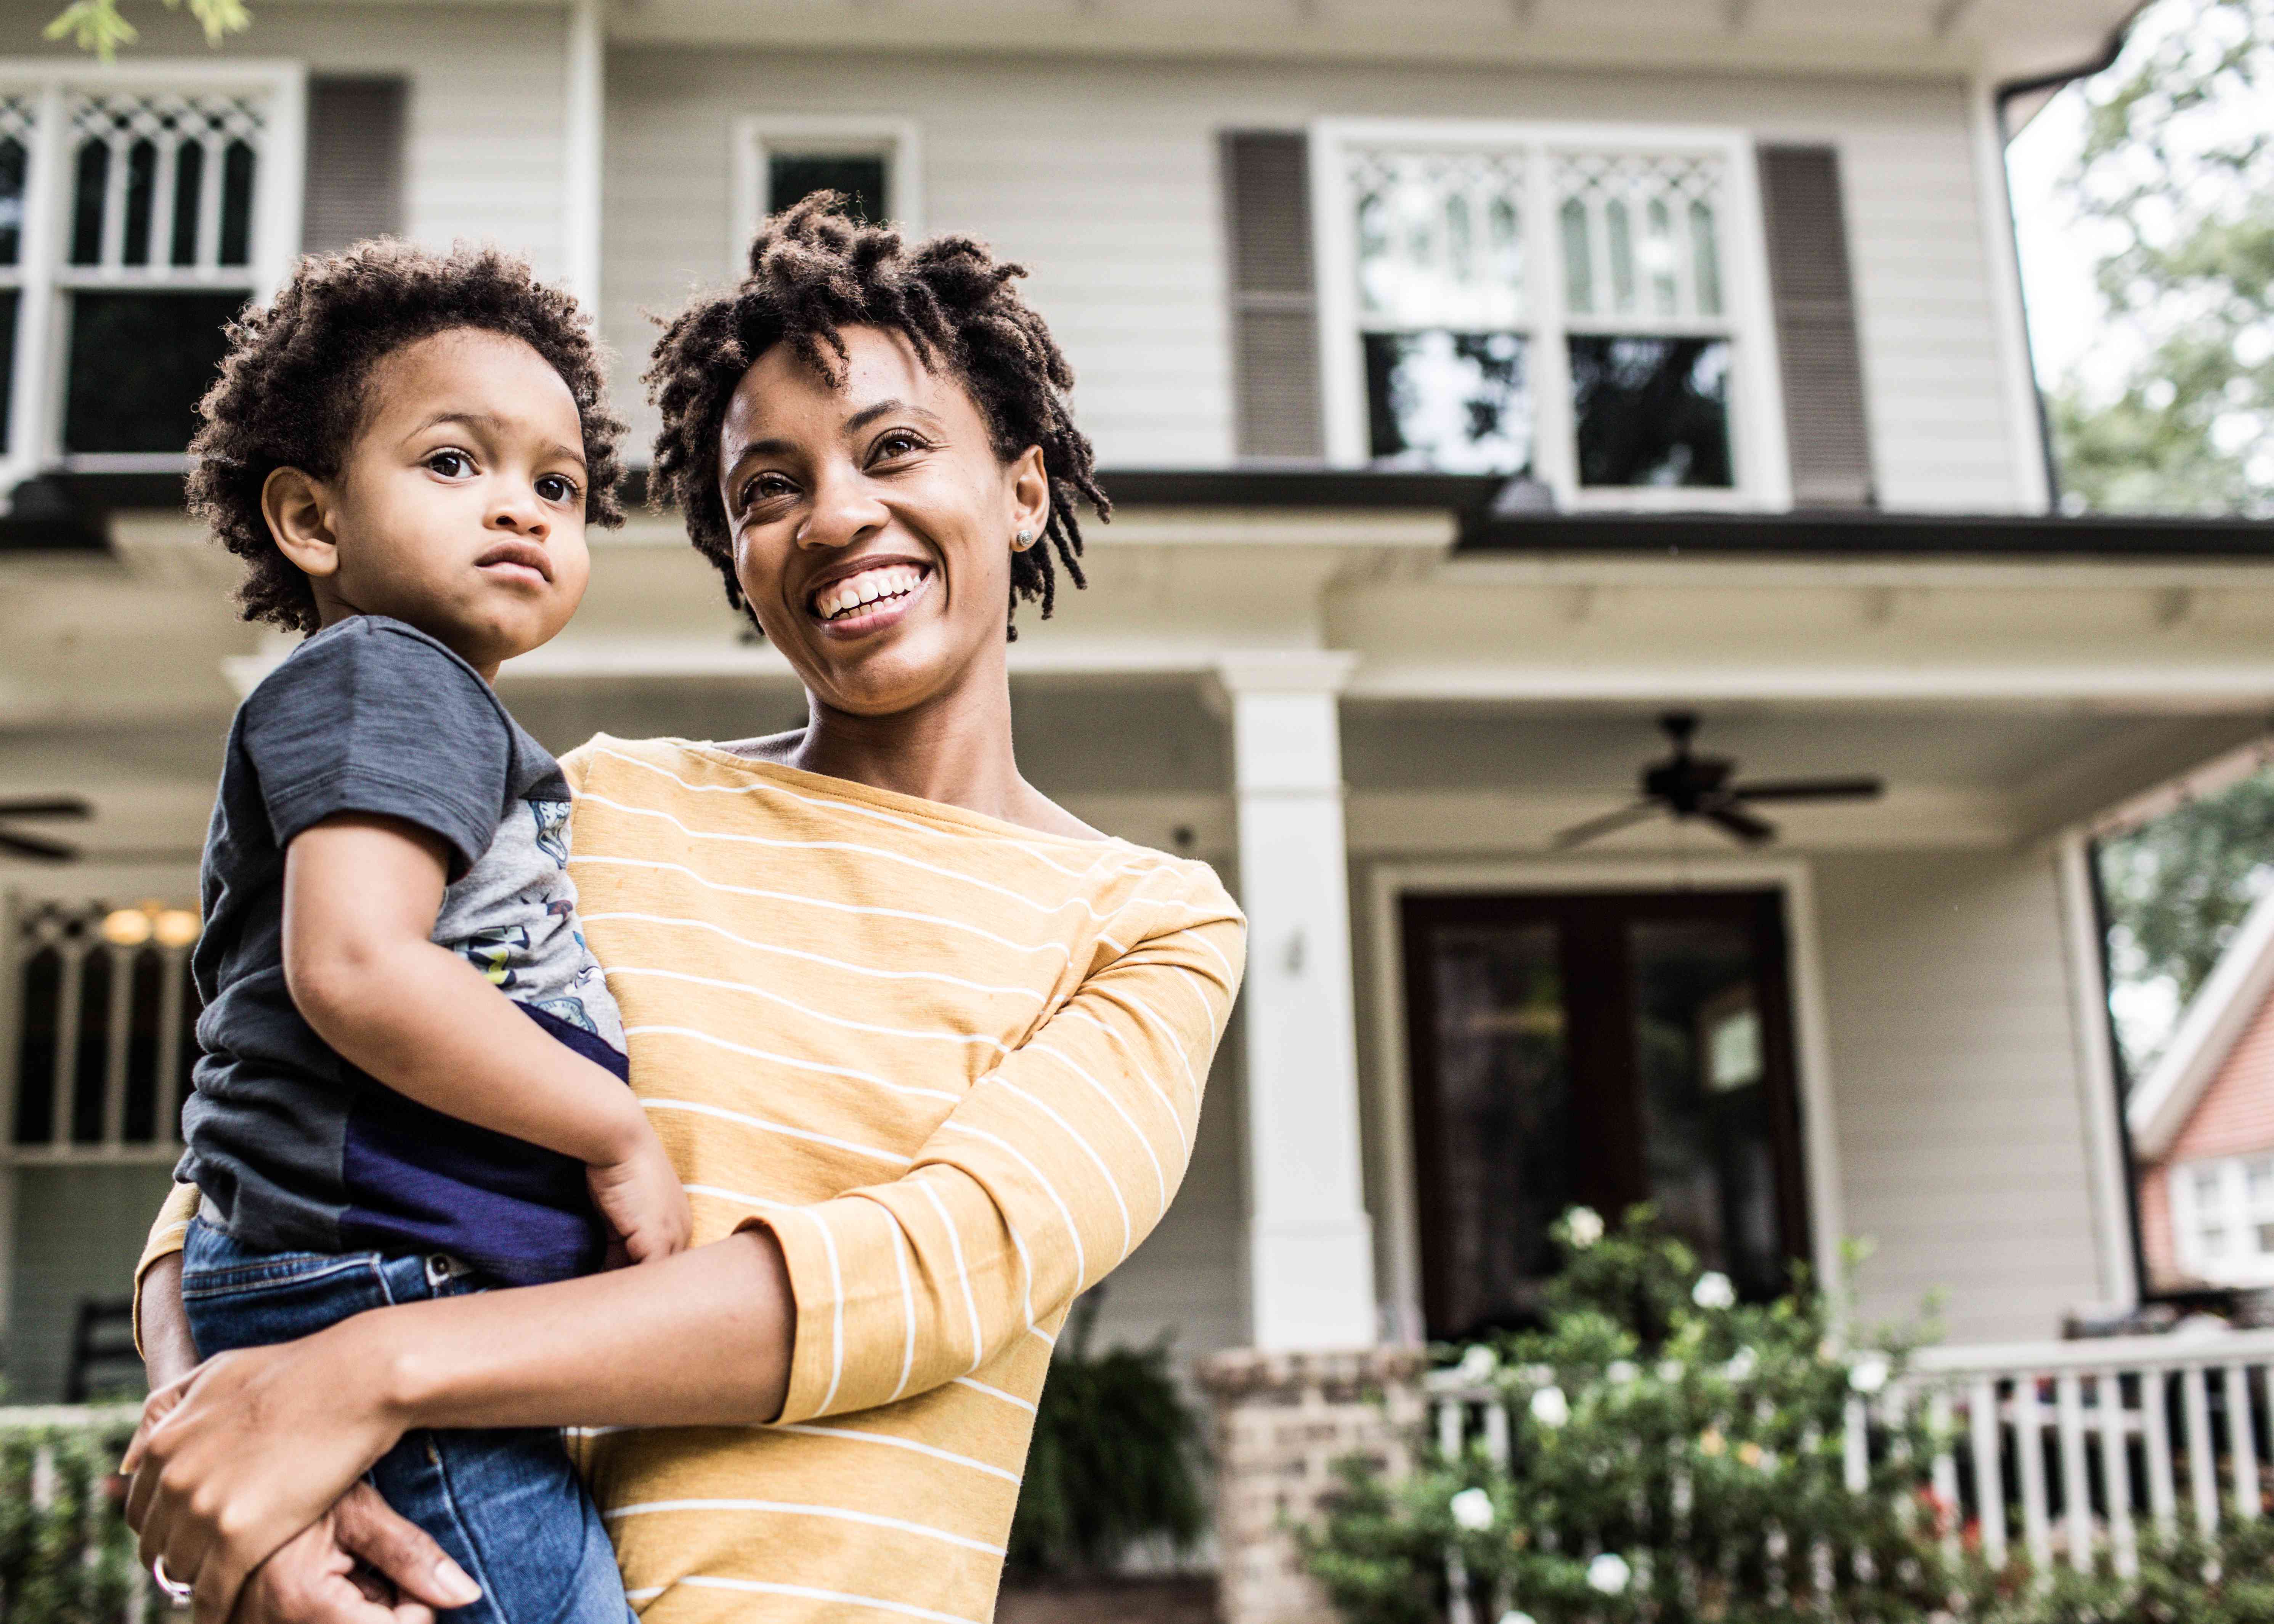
[1311,1283]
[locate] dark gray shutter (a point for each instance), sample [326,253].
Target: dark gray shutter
[355,161]
[1824,423]
[1274,306]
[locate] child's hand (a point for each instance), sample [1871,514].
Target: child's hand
[641,1198]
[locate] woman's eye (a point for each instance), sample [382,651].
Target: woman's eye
[451,464]
[764,487]
[899,443]
[557,488]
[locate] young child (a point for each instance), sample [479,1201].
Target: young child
[412,1077]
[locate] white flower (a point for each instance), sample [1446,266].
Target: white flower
[1584,1226]
[1608,1575]
[1550,1407]
[1868,1373]
[1513,1617]
[1472,1509]
[1742,1366]
[1714,1290]
[1478,1362]
[1621,1371]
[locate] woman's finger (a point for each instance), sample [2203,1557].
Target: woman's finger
[368,1527]
[155,1408]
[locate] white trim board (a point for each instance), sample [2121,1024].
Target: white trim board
[1389,1108]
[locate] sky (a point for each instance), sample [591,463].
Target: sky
[2065,319]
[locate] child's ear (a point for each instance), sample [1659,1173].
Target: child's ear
[298,512]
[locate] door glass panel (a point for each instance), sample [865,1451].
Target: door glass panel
[1708,1133]
[1503,1167]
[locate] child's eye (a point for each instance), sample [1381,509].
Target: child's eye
[451,464]
[557,488]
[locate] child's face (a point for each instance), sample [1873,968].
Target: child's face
[460,507]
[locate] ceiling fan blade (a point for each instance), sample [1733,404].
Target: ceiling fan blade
[52,805]
[1858,788]
[1751,829]
[1579,834]
[32,845]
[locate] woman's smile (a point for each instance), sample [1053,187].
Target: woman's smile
[867,594]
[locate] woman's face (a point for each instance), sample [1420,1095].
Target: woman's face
[872,521]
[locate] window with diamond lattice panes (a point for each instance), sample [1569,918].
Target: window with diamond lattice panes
[1539,301]
[1647,344]
[1441,299]
[137,216]
[158,258]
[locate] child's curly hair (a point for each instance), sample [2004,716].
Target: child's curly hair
[814,272]
[292,390]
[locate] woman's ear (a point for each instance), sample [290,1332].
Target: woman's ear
[298,509]
[1030,495]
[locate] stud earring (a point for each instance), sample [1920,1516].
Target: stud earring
[1023,540]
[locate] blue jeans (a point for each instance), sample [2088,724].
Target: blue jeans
[506,1505]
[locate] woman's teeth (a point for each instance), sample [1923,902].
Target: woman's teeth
[840,598]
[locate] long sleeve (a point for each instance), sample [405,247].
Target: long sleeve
[1048,1174]
[168,1231]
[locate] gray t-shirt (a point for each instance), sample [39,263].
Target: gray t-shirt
[294,1148]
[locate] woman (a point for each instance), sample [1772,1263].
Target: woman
[927,1050]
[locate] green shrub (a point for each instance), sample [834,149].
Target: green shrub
[1113,1460]
[1677,1457]
[66,1554]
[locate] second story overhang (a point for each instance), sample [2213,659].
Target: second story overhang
[2000,39]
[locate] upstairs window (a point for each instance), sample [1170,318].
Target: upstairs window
[873,161]
[1576,307]
[138,213]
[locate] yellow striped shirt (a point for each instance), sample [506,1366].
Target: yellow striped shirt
[956,1066]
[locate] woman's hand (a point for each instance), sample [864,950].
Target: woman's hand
[358,1563]
[247,1451]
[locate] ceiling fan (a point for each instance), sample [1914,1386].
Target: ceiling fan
[15,843]
[1685,785]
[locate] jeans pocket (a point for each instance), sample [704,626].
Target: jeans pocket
[238,1298]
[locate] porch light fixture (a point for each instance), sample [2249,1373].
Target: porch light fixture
[170,928]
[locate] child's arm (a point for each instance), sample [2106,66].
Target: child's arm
[361,894]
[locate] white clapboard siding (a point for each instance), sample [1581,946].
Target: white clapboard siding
[1103,177]
[1961,1126]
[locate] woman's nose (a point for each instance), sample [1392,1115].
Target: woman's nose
[844,510]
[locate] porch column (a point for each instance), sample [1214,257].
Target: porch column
[1310,1249]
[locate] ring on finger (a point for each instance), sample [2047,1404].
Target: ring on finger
[176,1592]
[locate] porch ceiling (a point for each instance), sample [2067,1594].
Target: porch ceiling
[2002,39]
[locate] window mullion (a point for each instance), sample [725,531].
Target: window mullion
[1555,458]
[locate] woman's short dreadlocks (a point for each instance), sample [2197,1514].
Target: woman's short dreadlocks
[813,274]
[292,390]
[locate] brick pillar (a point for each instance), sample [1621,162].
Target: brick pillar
[1283,1419]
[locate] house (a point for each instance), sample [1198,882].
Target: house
[2202,1128]
[1480,382]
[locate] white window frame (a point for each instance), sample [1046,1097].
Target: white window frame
[1761,478]
[2244,1265]
[36,402]
[759,136]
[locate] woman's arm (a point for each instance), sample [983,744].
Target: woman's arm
[254,1445]
[359,1563]
[1036,1184]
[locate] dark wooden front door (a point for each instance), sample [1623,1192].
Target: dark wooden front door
[1598,1049]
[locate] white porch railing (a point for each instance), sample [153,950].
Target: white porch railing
[2064,1450]
[77,1560]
